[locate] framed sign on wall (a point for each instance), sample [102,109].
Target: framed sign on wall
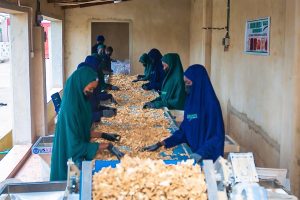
[257,36]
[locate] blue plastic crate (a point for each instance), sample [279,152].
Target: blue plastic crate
[99,164]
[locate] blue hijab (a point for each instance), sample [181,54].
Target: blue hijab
[94,63]
[202,128]
[157,73]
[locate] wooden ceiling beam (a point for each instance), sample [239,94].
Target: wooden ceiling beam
[67,4]
[84,5]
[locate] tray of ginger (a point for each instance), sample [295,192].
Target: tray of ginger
[145,179]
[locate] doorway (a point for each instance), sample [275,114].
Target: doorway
[116,35]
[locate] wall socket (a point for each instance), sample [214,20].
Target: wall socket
[226,43]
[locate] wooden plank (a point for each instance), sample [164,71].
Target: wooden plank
[14,160]
[231,145]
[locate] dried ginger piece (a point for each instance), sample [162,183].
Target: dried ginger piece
[138,127]
[140,179]
[130,93]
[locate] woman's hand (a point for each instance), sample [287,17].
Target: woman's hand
[149,105]
[153,147]
[96,134]
[111,137]
[112,149]
[103,146]
[115,151]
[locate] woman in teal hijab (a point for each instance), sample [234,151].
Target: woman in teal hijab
[146,62]
[173,89]
[73,128]
[100,70]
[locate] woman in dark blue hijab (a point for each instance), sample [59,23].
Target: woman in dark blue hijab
[157,73]
[90,61]
[96,96]
[202,128]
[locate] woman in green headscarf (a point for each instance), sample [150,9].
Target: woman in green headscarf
[173,89]
[73,128]
[146,62]
[103,86]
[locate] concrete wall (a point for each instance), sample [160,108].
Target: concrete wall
[116,35]
[200,38]
[290,140]
[38,75]
[196,32]
[253,84]
[163,24]
[296,139]
[258,94]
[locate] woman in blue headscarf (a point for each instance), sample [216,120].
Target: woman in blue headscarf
[202,128]
[157,73]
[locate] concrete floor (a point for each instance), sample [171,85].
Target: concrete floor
[5,97]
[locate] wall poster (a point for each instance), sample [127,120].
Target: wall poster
[257,36]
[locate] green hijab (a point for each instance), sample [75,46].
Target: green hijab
[72,133]
[173,89]
[146,61]
[101,46]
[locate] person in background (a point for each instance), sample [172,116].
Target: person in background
[108,52]
[100,41]
[73,128]
[96,98]
[172,92]
[157,72]
[102,57]
[203,127]
[146,62]
[101,49]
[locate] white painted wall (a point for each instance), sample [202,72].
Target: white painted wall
[164,24]
[258,94]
